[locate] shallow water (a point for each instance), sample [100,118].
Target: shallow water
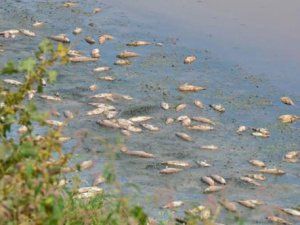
[247,74]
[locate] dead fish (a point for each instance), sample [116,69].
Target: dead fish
[95,53]
[52,98]
[176,163]
[172,205]
[105,37]
[64,139]
[74,53]
[97,10]
[108,123]
[110,114]
[181,118]
[292,156]
[195,211]
[82,59]
[287,100]
[122,62]
[218,108]
[257,176]
[258,134]
[138,43]
[190,88]
[212,189]
[108,78]
[12,82]
[90,40]
[186,122]
[199,104]
[9,33]
[31,94]
[203,120]
[150,127]
[241,129]
[97,111]
[140,154]
[102,69]
[219,179]
[60,38]
[38,24]
[258,163]
[70,4]
[180,107]
[68,114]
[124,123]
[288,118]
[208,180]
[250,181]
[203,164]
[190,59]
[134,129]
[54,123]
[88,192]
[200,127]
[209,147]
[273,171]
[169,170]
[22,130]
[93,87]
[126,133]
[165,105]
[292,212]
[278,220]
[184,136]
[139,119]
[112,96]
[230,206]
[98,180]
[27,33]
[77,30]
[127,54]
[169,120]
[86,165]
[247,203]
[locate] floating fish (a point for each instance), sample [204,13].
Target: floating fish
[77,30]
[292,156]
[257,176]
[108,123]
[209,147]
[54,123]
[190,59]
[86,165]
[292,212]
[102,69]
[60,38]
[139,119]
[97,10]
[93,87]
[287,100]
[169,170]
[150,127]
[105,37]
[90,40]
[68,114]
[139,43]
[140,154]
[31,94]
[208,180]
[27,33]
[258,163]
[219,179]
[180,107]
[200,127]
[74,53]
[218,108]
[95,53]
[12,82]
[203,164]
[82,59]
[165,105]
[278,220]
[247,203]
[250,181]
[88,192]
[241,129]
[98,180]
[190,88]
[199,104]
[288,118]
[112,96]
[203,120]
[172,205]
[186,122]
[122,62]
[230,206]
[273,171]
[52,98]
[169,120]
[176,163]
[22,130]
[184,136]
[212,189]
[70,4]
[108,78]
[127,54]
[126,132]
[38,24]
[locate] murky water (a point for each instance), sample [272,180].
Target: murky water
[240,71]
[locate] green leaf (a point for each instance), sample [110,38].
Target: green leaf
[46,46]
[52,74]
[27,150]
[27,65]
[9,68]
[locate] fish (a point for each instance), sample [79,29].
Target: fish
[150,127]
[209,147]
[250,181]
[68,114]
[259,134]
[23,129]
[98,180]
[247,203]
[108,78]
[278,220]
[208,180]
[170,170]
[95,53]
[27,33]
[138,43]
[126,132]
[180,107]
[127,54]
[122,62]
[52,98]
[165,105]
[172,205]
[60,38]
[177,163]
[77,30]
[273,171]
[218,179]
[54,123]
[186,122]
[199,104]
[292,212]
[203,164]
[74,53]
[230,206]
[257,176]
[12,82]
[95,112]
[82,59]
[88,192]
[70,4]
[217,107]
[287,100]
[241,129]
[200,127]
[105,37]
[189,59]
[108,123]
[140,154]
[90,40]
[169,120]
[97,10]
[212,189]
[203,120]
[93,87]
[134,129]
[292,156]
[184,136]
[102,69]
[38,24]
[64,139]
[112,96]
[258,163]
[31,94]
[110,114]
[288,118]
[190,88]
[86,165]
[139,119]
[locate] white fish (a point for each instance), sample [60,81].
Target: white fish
[288,118]
[199,104]
[77,59]
[218,108]
[140,154]
[105,37]
[170,170]
[190,88]
[97,10]
[139,119]
[122,62]
[95,53]
[139,43]
[60,38]
[184,136]
[127,54]
[150,127]
[208,180]
[13,82]
[172,205]
[90,40]
[176,163]
[38,24]
[52,98]
[258,163]
[165,105]
[219,179]
[93,87]
[189,59]
[77,30]
[180,107]
[200,127]
[250,181]
[209,147]
[273,171]
[169,120]
[203,164]
[241,129]
[86,165]
[278,220]
[292,212]
[287,100]
[102,69]
[108,78]
[27,33]
[212,189]
[54,123]
[203,120]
